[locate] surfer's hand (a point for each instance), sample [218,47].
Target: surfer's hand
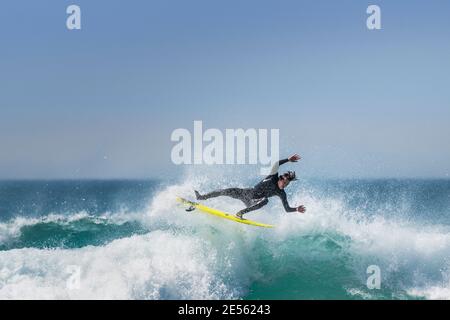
[294,158]
[301,209]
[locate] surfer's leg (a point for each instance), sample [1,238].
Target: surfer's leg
[261,203]
[246,196]
[235,193]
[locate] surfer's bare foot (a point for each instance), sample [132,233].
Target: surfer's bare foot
[198,195]
[239,215]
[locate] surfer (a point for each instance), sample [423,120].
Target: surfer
[258,196]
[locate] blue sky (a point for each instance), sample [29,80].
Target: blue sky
[102,102]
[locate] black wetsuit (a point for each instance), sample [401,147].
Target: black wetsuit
[256,197]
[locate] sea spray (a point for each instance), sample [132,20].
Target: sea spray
[154,249]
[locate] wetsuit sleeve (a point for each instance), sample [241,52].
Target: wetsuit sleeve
[286,206]
[277,165]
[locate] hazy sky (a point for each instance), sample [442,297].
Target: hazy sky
[103,101]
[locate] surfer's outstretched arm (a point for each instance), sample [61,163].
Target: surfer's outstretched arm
[286,205]
[276,166]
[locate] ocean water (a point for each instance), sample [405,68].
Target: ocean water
[131,240]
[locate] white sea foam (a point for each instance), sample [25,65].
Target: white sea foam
[197,256]
[432,292]
[159,265]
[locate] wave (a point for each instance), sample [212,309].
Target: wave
[67,231]
[159,265]
[164,252]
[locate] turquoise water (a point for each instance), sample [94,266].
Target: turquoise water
[131,240]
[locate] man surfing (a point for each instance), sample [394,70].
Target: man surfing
[257,197]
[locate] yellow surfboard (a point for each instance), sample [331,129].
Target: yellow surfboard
[196,205]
